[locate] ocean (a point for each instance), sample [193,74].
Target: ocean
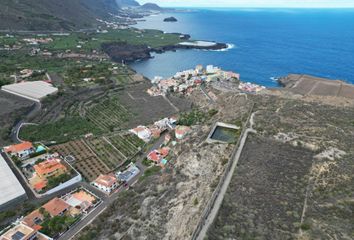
[264,43]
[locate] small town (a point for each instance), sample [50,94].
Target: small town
[176,120]
[46,173]
[186,82]
[74,176]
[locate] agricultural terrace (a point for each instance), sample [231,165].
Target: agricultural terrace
[12,62]
[128,144]
[85,160]
[116,149]
[108,114]
[86,73]
[88,42]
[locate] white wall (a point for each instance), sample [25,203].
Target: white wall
[72,181]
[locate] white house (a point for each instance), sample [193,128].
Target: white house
[106,183]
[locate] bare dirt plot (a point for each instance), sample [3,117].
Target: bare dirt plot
[325,89]
[266,196]
[347,91]
[86,161]
[310,85]
[304,86]
[146,108]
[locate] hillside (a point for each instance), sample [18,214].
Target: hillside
[53,14]
[151,7]
[127,3]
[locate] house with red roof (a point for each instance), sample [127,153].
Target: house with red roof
[142,132]
[22,150]
[34,219]
[50,168]
[56,207]
[157,155]
[106,183]
[181,132]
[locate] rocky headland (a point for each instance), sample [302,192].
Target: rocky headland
[122,51]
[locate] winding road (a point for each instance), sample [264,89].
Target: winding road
[16,129]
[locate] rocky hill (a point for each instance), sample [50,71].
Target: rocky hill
[127,3]
[53,14]
[151,7]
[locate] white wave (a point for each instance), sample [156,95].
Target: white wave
[274,79]
[229,47]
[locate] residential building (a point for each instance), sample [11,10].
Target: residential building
[23,232]
[20,232]
[199,69]
[80,201]
[128,174]
[106,183]
[50,168]
[158,154]
[22,150]
[210,69]
[142,132]
[56,207]
[181,132]
[34,219]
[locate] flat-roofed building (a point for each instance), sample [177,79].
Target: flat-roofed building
[35,90]
[19,232]
[11,190]
[23,232]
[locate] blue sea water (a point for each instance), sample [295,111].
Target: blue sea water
[267,43]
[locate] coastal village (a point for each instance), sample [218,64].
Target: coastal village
[187,81]
[70,180]
[50,170]
[92,149]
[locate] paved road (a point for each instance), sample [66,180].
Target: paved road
[30,194]
[107,200]
[213,213]
[15,130]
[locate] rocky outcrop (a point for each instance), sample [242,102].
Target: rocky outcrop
[125,52]
[122,51]
[170,19]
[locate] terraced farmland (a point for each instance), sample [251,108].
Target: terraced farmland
[108,114]
[110,155]
[128,144]
[116,149]
[86,161]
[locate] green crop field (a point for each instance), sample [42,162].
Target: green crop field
[108,114]
[97,72]
[93,41]
[127,144]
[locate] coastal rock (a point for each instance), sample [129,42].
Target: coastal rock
[122,51]
[170,19]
